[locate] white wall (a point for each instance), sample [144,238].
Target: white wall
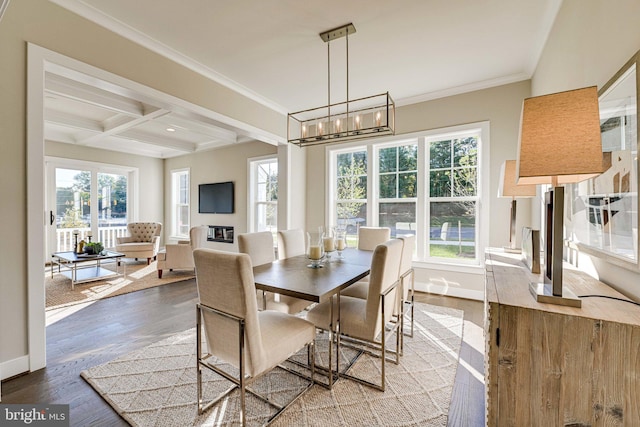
[590,41]
[220,165]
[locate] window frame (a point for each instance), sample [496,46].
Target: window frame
[423,199]
[176,205]
[252,165]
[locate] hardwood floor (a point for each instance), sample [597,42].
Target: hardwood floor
[115,326]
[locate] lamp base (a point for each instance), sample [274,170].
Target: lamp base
[542,293]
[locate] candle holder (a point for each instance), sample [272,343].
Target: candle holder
[340,241]
[315,250]
[329,243]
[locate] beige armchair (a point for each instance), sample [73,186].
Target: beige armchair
[143,240]
[179,256]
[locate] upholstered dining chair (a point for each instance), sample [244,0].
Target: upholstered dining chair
[259,247]
[407,275]
[290,243]
[368,239]
[179,256]
[143,240]
[236,333]
[366,320]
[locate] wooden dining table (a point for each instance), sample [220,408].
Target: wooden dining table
[293,277]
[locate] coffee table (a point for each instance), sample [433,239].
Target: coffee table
[81,268]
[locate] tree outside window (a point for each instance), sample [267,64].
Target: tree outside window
[351,191]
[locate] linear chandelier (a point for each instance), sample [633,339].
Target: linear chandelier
[366,117]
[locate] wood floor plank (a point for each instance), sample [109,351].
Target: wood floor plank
[112,327]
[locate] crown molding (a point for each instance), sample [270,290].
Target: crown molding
[458,90]
[96,16]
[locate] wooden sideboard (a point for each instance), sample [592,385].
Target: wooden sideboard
[550,365]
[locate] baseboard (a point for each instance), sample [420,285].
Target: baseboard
[14,367]
[450,291]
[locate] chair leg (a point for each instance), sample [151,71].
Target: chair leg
[198,358]
[148,261]
[159,274]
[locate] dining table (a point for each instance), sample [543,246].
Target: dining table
[295,277]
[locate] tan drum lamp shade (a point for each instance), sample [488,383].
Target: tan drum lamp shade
[559,144]
[509,188]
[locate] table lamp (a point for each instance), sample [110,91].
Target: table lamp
[559,143]
[509,188]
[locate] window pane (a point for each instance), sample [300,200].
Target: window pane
[407,184]
[465,152]
[388,158]
[465,182]
[352,216]
[73,206]
[388,186]
[183,220]
[452,229]
[440,183]
[440,154]
[360,160]
[344,162]
[112,200]
[400,217]
[261,192]
[408,157]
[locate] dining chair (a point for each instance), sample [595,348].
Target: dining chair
[259,247]
[406,272]
[237,333]
[366,320]
[370,237]
[290,243]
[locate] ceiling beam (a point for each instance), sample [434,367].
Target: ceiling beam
[72,120]
[66,88]
[121,123]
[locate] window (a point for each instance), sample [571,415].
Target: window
[180,202]
[351,191]
[453,182]
[96,199]
[397,188]
[264,195]
[428,185]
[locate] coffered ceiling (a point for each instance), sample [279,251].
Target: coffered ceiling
[271,52]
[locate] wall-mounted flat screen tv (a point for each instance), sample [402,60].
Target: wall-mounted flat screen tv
[216,198]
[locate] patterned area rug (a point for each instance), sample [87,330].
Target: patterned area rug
[138,276]
[156,386]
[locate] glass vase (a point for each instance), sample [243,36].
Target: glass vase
[315,249]
[340,241]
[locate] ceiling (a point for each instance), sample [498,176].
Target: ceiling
[271,52]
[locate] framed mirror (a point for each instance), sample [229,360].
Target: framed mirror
[602,216]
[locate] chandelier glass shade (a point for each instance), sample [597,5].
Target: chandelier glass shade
[366,117]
